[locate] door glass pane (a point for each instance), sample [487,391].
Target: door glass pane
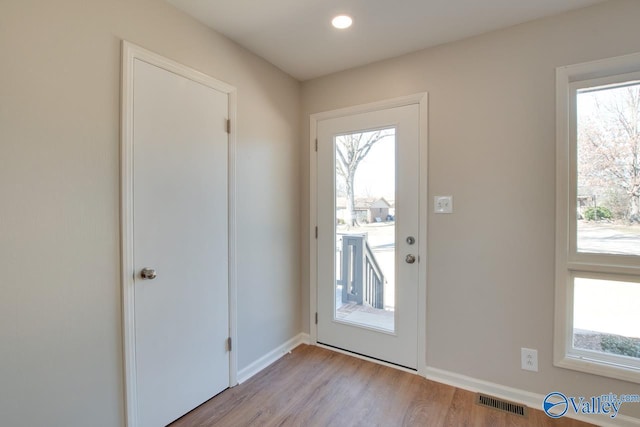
[608,161]
[365,189]
[606,318]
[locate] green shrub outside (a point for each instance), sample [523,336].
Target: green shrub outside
[624,346]
[600,212]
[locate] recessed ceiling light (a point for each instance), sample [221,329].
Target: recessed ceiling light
[341,22]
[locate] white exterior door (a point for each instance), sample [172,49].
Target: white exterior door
[180,231]
[368,233]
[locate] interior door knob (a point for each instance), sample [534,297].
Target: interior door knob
[148,273]
[410,259]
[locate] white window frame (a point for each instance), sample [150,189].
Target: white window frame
[569,262]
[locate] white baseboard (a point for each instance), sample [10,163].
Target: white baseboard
[532,400]
[272,356]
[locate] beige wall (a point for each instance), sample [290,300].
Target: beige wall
[60,298]
[491,145]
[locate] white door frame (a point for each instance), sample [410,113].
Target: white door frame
[422,100]
[130,53]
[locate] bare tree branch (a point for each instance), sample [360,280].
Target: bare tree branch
[609,146]
[351,150]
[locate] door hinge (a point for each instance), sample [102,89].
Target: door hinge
[316,145]
[316,317]
[228,126]
[316,232]
[229,347]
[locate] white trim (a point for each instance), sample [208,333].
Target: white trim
[401,101]
[601,262]
[423,227]
[271,357]
[600,68]
[569,262]
[126,238]
[532,400]
[313,223]
[422,100]
[233,264]
[130,53]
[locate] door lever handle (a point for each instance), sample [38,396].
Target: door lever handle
[148,273]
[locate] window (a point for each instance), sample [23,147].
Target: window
[597,325]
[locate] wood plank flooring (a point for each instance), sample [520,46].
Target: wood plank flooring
[313,386]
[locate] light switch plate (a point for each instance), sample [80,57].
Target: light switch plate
[443,204]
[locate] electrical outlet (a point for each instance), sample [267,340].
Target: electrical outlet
[529,359]
[443,204]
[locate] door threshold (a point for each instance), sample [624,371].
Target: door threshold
[367,358]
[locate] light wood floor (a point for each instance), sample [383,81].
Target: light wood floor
[317,387]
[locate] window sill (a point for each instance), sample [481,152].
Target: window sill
[599,367]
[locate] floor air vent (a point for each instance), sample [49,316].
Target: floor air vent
[501,405]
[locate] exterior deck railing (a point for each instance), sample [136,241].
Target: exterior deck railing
[360,274]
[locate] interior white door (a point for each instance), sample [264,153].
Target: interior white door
[180,230]
[368,239]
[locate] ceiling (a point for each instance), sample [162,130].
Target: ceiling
[297,36]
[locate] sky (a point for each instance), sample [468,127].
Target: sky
[375,176]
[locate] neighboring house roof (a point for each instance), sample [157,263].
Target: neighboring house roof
[364,203]
[380,203]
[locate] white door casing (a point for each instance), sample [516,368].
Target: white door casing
[177,218]
[406,346]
